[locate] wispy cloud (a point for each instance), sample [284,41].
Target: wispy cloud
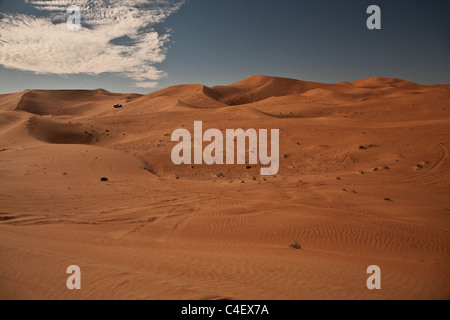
[146,85]
[43,44]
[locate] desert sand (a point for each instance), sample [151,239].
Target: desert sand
[364,180]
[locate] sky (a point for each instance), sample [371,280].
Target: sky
[146,45]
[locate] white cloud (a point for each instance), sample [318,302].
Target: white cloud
[44,44]
[146,85]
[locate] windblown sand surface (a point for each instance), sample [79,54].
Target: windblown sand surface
[364,180]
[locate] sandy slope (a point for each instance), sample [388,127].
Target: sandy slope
[146,234]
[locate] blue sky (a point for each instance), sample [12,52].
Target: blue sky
[141,46]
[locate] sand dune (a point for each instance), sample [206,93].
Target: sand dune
[363,180]
[45,102]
